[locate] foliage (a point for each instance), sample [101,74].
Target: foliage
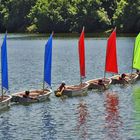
[69,15]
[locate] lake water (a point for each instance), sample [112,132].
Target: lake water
[110,115]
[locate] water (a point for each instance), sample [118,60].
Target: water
[109,115]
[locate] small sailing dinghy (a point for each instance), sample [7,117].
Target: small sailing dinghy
[4,99]
[41,94]
[99,84]
[82,88]
[110,65]
[127,78]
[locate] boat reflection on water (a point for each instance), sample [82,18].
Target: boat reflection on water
[112,118]
[136,101]
[82,112]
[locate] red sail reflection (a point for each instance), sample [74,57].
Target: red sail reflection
[82,119]
[113,120]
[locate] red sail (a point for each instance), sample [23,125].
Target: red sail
[111,54]
[82,54]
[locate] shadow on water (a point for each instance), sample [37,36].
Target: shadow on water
[112,118]
[82,112]
[136,102]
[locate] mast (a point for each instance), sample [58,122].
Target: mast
[111,65]
[48,62]
[81,49]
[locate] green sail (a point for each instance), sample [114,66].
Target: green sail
[136,55]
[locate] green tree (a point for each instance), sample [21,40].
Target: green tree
[131,17]
[14,14]
[69,15]
[113,11]
[50,15]
[85,14]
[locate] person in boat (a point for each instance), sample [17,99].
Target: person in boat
[60,89]
[122,77]
[26,95]
[100,82]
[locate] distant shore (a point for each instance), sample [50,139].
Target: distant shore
[67,35]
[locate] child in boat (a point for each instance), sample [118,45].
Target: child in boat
[123,79]
[26,95]
[61,87]
[100,82]
[122,76]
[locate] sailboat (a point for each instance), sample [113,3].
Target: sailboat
[111,65]
[44,93]
[82,88]
[127,78]
[4,99]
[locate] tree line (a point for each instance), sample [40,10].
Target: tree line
[64,16]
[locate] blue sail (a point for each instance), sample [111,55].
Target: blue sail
[48,61]
[4,66]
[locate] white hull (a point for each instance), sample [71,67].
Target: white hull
[75,90]
[34,97]
[5,103]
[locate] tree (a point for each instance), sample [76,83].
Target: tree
[114,11]
[50,15]
[15,13]
[131,17]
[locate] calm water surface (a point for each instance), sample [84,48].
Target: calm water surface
[110,115]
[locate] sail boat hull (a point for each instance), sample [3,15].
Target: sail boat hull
[130,78]
[74,90]
[93,84]
[34,96]
[5,102]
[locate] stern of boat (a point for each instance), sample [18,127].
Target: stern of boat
[6,102]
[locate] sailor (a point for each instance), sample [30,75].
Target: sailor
[60,89]
[122,76]
[100,82]
[26,95]
[62,86]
